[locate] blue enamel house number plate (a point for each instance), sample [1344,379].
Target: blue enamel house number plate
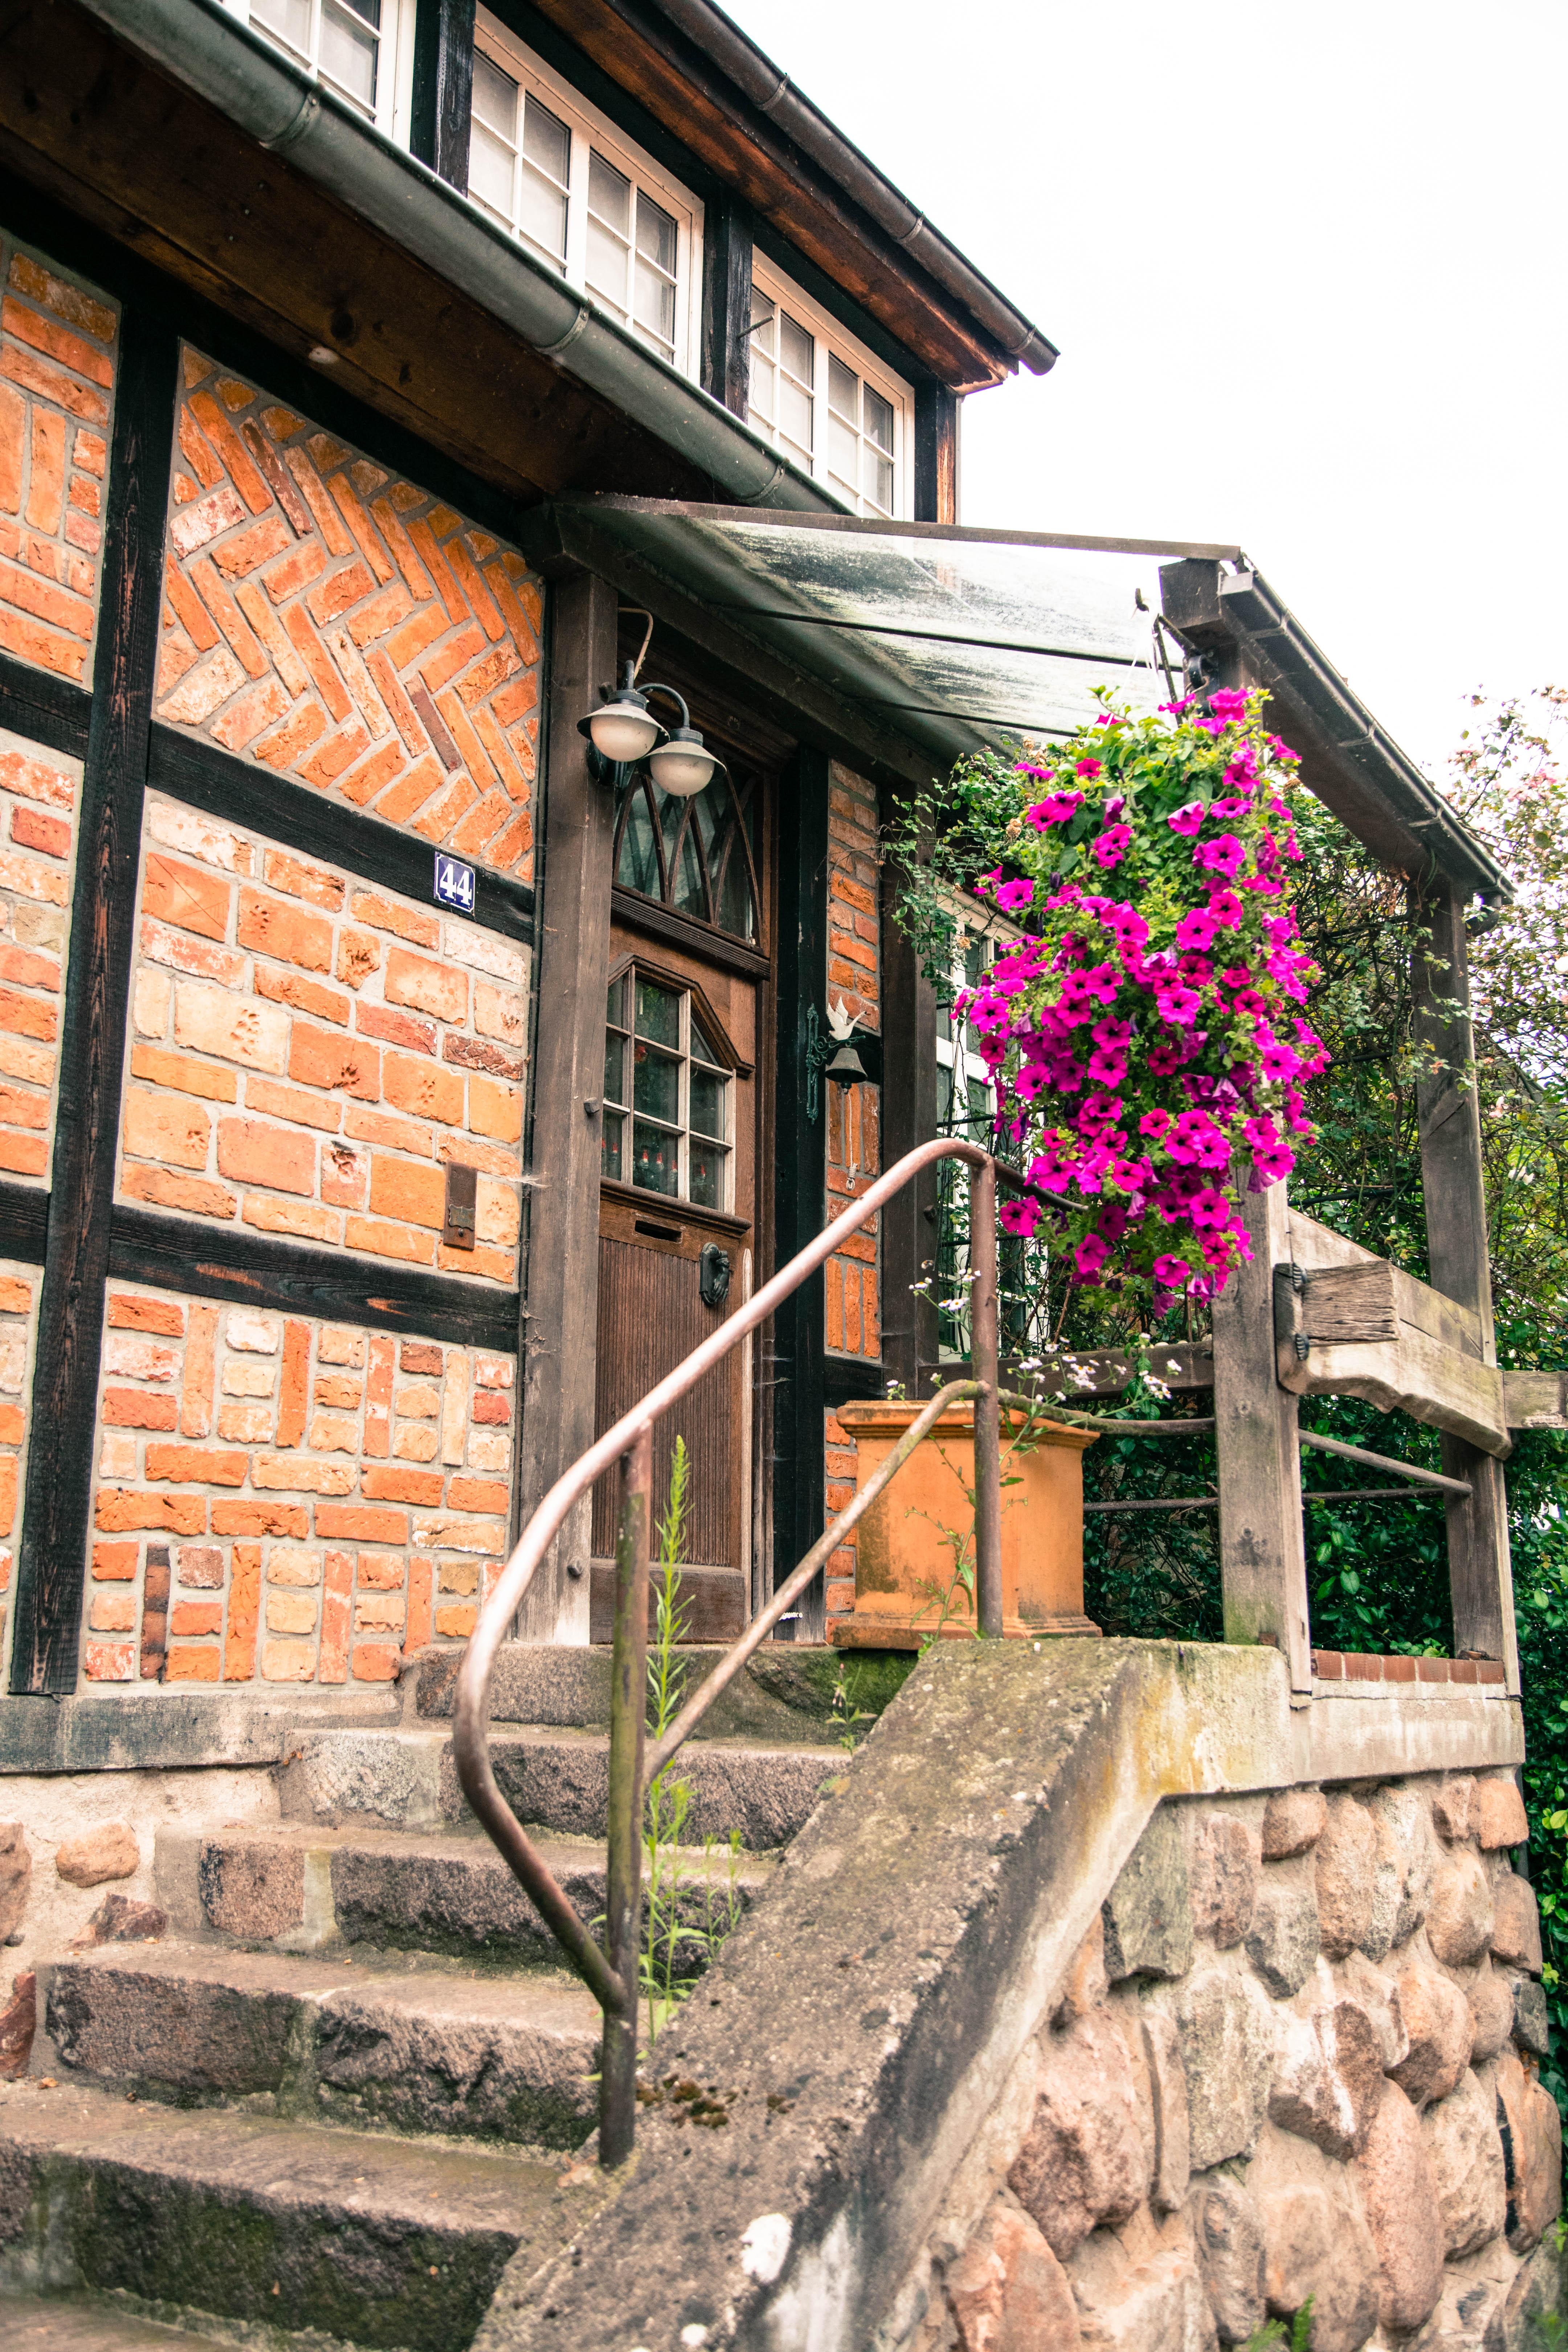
[454,884]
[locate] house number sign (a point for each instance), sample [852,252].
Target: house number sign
[454,884]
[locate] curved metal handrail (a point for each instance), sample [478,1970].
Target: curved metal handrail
[611,1975]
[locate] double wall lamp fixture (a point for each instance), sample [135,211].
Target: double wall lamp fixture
[622,732]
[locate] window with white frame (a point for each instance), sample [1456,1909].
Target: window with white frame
[827,402]
[362,49]
[569,186]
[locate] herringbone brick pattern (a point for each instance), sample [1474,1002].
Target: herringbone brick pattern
[347,629]
[57,344]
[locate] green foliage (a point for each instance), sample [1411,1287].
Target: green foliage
[686,1921]
[1297,2339]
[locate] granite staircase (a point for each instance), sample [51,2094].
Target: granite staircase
[349,2080]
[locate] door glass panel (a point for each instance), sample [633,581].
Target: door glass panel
[686,891]
[655,1160]
[707,1107]
[704,1050]
[658,1012]
[656,1087]
[614,1068]
[611,1148]
[707,1173]
[637,866]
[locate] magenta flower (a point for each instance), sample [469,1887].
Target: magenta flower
[1164,1061]
[1179,1006]
[1014,896]
[1154,1124]
[1228,704]
[1110,847]
[1188,820]
[1112,1035]
[1225,856]
[1210,1210]
[1020,1217]
[1107,1067]
[1090,1255]
[1196,929]
[1089,768]
[1226,908]
[1171,1273]
[1278,1061]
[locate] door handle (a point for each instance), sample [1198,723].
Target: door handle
[714,1274]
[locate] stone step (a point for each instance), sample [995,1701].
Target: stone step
[82,2323]
[410,2045]
[554,1778]
[783,1696]
[393,2244]
[298,1889]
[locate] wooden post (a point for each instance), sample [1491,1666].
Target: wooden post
[443,87]
[565,1118]
[937,414]
[726,370]
[908,1117]
[1480,1576]
[52,1561]
[1262,1546]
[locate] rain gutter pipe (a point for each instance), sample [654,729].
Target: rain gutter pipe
[291,114]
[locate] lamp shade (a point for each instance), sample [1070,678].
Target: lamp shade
[683,765]
[624,729]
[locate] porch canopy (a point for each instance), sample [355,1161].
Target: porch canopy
[911,644]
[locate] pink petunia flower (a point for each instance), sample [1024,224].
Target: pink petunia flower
[1224,856]
[1110,847]
[1089,768]
[1090,1255]
[1226,908]
[1019,1217]
[1196,929]
[1210,1210]
[1012,898]
[1228,704]
[1187,820]
[1179,1006]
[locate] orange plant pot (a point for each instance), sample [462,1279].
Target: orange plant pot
[903,1565]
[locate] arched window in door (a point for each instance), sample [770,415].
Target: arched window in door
[669,1111]
[697,856]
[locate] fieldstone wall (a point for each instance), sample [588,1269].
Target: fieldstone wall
[1296,2055]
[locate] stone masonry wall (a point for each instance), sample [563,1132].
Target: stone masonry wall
[39,797]
[346,629]
[59,345]
[307,1052]
[1296,2055]
[282,1501]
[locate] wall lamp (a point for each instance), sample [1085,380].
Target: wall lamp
[622,732]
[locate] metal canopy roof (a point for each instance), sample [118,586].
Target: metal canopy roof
[918,642]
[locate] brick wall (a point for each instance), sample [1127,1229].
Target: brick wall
[282,1500]
[851,1290]
[18,1307]
[306,1052]
[344,627]
[58,351]
[39,796]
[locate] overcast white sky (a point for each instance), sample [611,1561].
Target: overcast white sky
[1305,268]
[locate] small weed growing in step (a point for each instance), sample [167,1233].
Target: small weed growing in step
[847,1713]
[672,1940]
[1298,2339]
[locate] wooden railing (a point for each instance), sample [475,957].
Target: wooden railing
[611,1973]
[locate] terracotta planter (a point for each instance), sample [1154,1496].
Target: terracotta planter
[899,1555]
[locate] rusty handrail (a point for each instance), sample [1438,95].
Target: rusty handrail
[611,1974]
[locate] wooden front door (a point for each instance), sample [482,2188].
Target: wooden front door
[678,1224]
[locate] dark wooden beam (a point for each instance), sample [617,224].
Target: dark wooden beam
[727,305]
[1480,1577]
[937,414]
[565,1123]
[635,913]
[51,710]
[443,87]
[23,1223]
[258,1270]
[52,1557]
[909,1112]
[245,794]
[793,1359]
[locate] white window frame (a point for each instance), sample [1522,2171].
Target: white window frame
[590,130]
[394,63]
[681,1130]
[834,341]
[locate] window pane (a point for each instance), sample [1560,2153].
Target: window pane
[615,1003]
[764,322]
[349,45]
[495,97]
[797,350]
[546,141]
[658,1013]
[844,453]
[736,912]
[761,411]
[611,1147]
[607,258]
[615,1069]
[610,195]
[656,1084]
[655,1160]
[654,307]
[703,1049]
[289,19]
[843,390]
[490,171]
[879,421]
[706,1174]
[655,233]
[880,481]
[707,1104]
[686,889]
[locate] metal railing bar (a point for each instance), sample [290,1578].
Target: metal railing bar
[1161,1503]
[1416,1477]
[730,1665]
[628,1718]
[1377,1494]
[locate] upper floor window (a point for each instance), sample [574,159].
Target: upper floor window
[561,178]
[357,47]
[824,400]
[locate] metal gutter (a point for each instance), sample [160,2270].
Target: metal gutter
[773,93]
[289,113]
